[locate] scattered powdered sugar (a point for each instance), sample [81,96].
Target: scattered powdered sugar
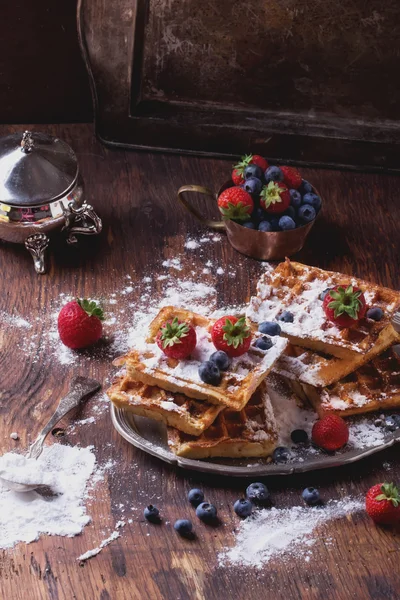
[103,544]
[14,436]
[192,245]
[283,532]
[25,516]
[14,320]
[364,434]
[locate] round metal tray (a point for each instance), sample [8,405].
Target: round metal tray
[151,436]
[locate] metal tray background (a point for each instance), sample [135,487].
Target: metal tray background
[151,436]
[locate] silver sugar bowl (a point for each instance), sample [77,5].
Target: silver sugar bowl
[41,190]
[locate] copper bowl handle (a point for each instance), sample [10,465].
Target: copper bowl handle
[199,189]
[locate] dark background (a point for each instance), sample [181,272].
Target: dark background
[42,75]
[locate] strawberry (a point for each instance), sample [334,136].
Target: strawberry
[275,197]
[344,306]
[291,177]
[231,335]
[330,433]
[245,161]
[235,203]
[79,323]
[176,339]
[382,503]
[237,177]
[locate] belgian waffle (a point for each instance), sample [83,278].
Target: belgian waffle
[148,364]
[176,410]
[296,288]
[374,386]
[249,432]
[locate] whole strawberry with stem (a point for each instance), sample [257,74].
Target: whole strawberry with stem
[275,197]
[382,503]
[345,306]
[330,433]
[79,323]
[235,203]
[177,339]
[245,161]
[291,177]
[231,335]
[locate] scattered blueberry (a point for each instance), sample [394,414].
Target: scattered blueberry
[209,373]
[274,222]
[253,171]
[306,213]
[206,512]
[290,212]
[306,187]
[270,328]
[265,226]
[184,527]
[249,225]
[375,313]
[286,223]
[243,508]
[263,343]
[392,423]
[299,436]
[195,497]
[151,513]
[323,294]
[258,493]
[280,454]
[221,359]
[295,198]
[313,200]
[258,215]
[311,496]
[286,317]
[252,185]
[273,174]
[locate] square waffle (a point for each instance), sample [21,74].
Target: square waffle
[296,288]
[148,364]
[176,410]
[249,432]
[374,386]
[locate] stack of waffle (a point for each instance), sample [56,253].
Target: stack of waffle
[233,419]
[344,371]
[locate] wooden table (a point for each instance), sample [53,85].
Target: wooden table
[136,195]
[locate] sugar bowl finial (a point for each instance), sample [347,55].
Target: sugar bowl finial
[27,142]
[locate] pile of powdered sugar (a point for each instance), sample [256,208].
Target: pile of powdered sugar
[283,533]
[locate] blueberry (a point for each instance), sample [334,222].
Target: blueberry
[253,171]
[258,215]
[206,512]
[299,436]
[249,225]
[265,226]
[306,213]
[306,187]
[311,496]
[209,373]
[286,317]
[270,328]
[263,343]
[151,513]
[274,222]
[375,313]
[221,359]
[281,454]
[258,493]
[295,198]
[252,185]
[323,294]
[392,423]
[290,212]
[243,508]
[184,527]
[273,174]
[313,200]
[195,497]
[286,223]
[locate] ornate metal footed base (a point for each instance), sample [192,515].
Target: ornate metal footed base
[82,220]
[37,245]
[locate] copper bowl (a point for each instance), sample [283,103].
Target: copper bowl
[263,245]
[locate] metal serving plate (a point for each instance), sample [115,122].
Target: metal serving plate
[151,436]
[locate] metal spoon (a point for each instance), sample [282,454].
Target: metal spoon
[81,388]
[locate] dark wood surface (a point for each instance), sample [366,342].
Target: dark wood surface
[136,195]
[291,80]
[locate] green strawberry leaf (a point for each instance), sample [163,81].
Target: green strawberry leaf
[271,194]
[91,308]
[172,332]
[235,333]
[345,301]
[244,162]
[238,212]
[390,493]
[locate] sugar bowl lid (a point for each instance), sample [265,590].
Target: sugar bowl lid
[35,168]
